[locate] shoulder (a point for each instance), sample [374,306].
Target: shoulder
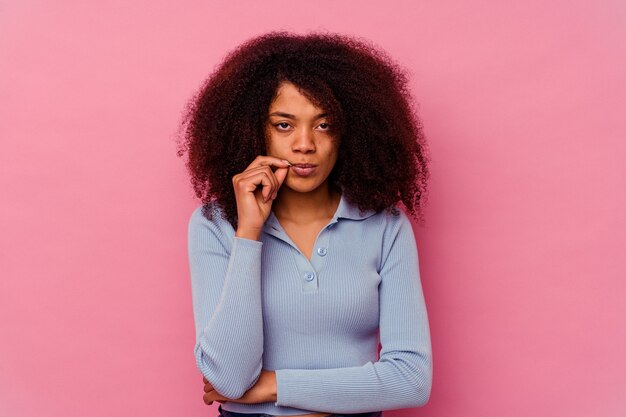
[391,220]
[398,220]
[386,226]
[397,230]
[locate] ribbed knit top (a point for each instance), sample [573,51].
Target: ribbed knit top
[262,304]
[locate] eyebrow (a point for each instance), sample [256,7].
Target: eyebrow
[291,116]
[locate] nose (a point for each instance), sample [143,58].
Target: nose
[304,141]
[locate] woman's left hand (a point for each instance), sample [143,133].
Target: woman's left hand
[264,390]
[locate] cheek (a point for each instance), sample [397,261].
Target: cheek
[270,142]
[333,152]
[272,146]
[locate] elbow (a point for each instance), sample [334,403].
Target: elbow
[422,393]
[423,383]
[230,380]
[417,371]
[230,388]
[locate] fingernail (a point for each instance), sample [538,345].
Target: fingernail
[287,162]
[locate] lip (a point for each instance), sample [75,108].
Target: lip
[304,170]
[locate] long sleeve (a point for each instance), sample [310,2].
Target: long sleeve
[402,376]
[226,291]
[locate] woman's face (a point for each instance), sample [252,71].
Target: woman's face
[299,132]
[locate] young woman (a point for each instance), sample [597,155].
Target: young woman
[301,148]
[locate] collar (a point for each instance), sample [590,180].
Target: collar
[348,210]
[345,210]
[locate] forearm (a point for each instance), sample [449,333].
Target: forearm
[403,382]
[263,391]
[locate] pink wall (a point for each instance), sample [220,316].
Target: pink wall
[522,254]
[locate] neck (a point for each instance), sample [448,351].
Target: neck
[302,208]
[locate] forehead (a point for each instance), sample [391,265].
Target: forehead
[288,97]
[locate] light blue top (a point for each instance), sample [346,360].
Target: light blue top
[261,304]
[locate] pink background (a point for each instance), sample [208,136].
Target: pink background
[522,255]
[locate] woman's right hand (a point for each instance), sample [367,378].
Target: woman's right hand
[254,206]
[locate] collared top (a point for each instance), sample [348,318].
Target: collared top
[261,304]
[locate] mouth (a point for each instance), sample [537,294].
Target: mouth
[303,170]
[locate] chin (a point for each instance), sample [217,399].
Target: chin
[301,185]
[302,189]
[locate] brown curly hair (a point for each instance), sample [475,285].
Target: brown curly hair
[382,157]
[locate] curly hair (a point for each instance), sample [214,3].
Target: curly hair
[382,156]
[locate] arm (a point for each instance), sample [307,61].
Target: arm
[226,291]
[402,377]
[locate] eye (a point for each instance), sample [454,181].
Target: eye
[326,124]
[281,124]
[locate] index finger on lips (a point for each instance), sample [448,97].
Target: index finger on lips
[262,160]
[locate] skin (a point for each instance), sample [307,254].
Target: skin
[302,205]
[305,138]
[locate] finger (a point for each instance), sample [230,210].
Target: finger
[268,160]
[281,174]
[209,397]
[206,381]
[266,179]
[248,172]
[268,193]
[208,387]
[250,182]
